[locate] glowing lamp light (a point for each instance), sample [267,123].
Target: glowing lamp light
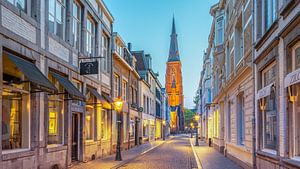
[118,104]
[197,117]
[164,122]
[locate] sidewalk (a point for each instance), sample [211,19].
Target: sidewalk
[209,158]
[128,155]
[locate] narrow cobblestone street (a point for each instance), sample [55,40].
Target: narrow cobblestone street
[174,154]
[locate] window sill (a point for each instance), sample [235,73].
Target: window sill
[293,162]
[268,153]
[16,153]
[261,41]
[55,147]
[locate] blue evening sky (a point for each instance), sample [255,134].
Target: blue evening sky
[147,25]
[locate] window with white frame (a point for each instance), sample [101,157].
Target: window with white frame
[268,110]
[116,86]
[20,4]
[294,108]
[238,41]
[90,37]
[56,17]
[104,51]
[124,90]
[76,15]
[56,114]
[219,30]
[240,119]
[269,11]
[104,124]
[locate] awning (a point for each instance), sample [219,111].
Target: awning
[33,74]
[108,98]
[264,92]
[109,101]
[292,78]
[69,87]
[96,94]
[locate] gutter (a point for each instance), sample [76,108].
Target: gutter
[254,90]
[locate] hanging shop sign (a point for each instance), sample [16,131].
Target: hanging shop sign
[264,92]
[292,78]
[89,68]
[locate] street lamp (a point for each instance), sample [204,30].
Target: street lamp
[164,124]
[118,105]
[197,117]
[192,126]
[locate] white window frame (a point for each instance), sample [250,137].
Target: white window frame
[294,120]
[104,51]
[271,151]
[124,89]
[219,40]
[273,13]
[90,37]
[15,3]
[116,85]
[62,3]
[76,20]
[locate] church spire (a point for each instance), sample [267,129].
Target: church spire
[173,52]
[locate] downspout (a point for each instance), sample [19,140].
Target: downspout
[254,90]
[111,89]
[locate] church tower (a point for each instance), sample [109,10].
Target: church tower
[173,84]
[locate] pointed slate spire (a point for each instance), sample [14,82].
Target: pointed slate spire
[173,52]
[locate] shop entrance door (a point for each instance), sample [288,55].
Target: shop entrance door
[75,136]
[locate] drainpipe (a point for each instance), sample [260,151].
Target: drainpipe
[254,101]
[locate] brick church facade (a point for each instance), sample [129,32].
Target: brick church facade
[174,84]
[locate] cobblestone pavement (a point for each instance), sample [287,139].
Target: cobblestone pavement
[212,159]
[109,162]
[174,154]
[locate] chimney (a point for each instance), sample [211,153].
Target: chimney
[148,60]
[129,47]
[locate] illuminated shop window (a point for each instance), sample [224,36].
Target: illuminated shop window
[294,107]
[104,124]
[15,108]
[89,118]
[132,128]
[56,114]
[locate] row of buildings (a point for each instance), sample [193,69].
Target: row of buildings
[248,91]
[62,67]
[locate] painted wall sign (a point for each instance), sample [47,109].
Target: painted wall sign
[89,68]
[292,78]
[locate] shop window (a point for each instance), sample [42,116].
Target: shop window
[229,121]
[132,128]
[56,114]
[20,4]
[56,17]
[240,119]
[125,129]
[15,108]
[89,117]
[104,124]
[145,128]
[76,28]
[268,110]
[294,108]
